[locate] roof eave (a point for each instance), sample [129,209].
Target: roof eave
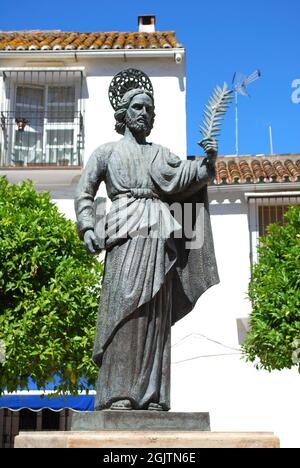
[252,187]
[99,53]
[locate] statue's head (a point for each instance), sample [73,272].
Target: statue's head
[135,111]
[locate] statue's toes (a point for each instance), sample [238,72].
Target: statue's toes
[121,405]
[155,407]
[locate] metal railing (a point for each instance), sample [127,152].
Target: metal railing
[41,116]
[33,138]
[264,209]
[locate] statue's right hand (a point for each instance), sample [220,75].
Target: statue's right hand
[91,243]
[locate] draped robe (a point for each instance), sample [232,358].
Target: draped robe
[151,277]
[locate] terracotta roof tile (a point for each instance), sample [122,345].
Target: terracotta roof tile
[120,42]
[173,41]
[99,40]
[233,170]
[292,168]
[130,41]
[109,41]
[142,41]
[269,169]
[163,43]
[257,169]
[60,40]
[152,40]
[69,39]
[90,39]
[281,170]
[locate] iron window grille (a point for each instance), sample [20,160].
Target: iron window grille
[41,117]
[265,209]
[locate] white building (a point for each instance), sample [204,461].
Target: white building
[208,372]
[54,99]
[55,111]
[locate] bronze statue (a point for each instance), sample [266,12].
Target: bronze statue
[150,281]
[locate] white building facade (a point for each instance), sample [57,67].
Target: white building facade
[208,372]
[55,111]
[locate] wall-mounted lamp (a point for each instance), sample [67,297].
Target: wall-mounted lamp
[21,123]
[178,58]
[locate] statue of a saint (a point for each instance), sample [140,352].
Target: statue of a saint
[152,277]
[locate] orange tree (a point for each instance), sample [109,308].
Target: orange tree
[49,295]
[273,341]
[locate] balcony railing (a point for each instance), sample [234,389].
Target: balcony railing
[37,138]
[41,116]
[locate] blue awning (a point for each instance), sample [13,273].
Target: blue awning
[37,400]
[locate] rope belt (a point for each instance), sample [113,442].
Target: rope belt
[137,193]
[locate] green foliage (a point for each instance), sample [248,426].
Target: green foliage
[49,294]
[274,338]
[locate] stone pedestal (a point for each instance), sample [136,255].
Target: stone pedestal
[143,429]
[139,421]
[146,439]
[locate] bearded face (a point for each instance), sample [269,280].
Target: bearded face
[139,115]
[136,126]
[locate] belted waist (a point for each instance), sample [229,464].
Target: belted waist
[136,193]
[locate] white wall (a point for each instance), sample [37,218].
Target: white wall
[66,207]
[208,373]
[238,397]
[168,82]
[223,303]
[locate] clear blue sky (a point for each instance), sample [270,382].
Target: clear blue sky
[220,37]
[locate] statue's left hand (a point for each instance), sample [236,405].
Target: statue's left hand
[210,147]
[91,243]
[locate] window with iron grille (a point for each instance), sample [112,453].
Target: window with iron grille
[269,215]
[42,118]
[265,209]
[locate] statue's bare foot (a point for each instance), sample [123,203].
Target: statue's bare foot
[121,405]
[155,407]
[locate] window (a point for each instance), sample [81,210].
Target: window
[27,421]
[50,420]
[265,209]
[42,119]
[29,109]
[12,422]
[269,215]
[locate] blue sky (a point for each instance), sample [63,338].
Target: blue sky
[220,38]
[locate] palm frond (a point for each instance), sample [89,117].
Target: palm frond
[214,112]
